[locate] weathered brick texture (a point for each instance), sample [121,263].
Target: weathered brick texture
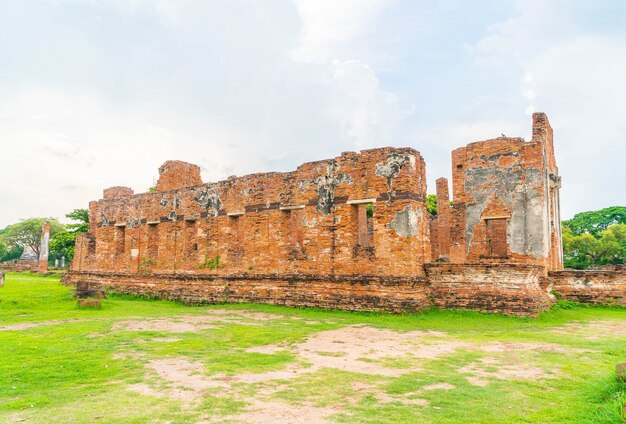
[351,232]
[348,292]
[304,221]
[507,288]
[592,286]
[506,202]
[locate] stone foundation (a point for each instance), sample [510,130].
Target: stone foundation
[354,293]
[19,266]
[351,232]
[507,288]
[503,288]
[593,287]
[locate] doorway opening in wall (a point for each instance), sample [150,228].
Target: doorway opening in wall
[364,213]
[120,240]
[496,237]
[294,229]
[153,241]
[365,224]
[235,242]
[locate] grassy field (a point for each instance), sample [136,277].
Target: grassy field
[145,361]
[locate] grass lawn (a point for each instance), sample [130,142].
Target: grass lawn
[146,361]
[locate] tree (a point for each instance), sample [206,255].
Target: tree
[80,215]
[3,249]
[586,251]
[593,222]
[27,233]
[613,244]
[64,242]
[8,252]
[431,204]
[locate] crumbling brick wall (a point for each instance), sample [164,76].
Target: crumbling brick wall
[347,292]
[590,286]
[506,206]
[312,220]
[508,288]
[351,232]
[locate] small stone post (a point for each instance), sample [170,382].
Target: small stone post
[62,261]
[1,278]
[43,248]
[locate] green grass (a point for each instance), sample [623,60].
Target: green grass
[76,366]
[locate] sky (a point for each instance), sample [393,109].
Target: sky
[98,93]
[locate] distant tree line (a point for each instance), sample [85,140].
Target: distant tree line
[595,238]
[27,234]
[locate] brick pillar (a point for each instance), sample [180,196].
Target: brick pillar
[43,248]
[443,217]
[361,220]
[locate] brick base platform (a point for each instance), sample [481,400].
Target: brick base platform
[594,287]
[503,288]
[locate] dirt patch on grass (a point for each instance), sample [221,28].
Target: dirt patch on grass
[169,325]
[495,347]
[358,349]
[258,316]
[215,318]
[184,380]
[489,369]
[29,325]
[594,330]
[272,412]
[439,386]
[268,349]
[346,348]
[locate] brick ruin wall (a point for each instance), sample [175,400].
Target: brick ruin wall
[20,266]
[505,203]
[346,292]
[351,233]
[511,288]
[310,221]
[591,286]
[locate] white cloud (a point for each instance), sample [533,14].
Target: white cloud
[578,78]
[367,113]
[63,147]
[327,24]
[167,10]
[109,89]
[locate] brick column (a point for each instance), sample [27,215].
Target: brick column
[443,217]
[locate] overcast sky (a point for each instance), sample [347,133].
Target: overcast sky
[96,93]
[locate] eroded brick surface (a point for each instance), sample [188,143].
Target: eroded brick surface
[592,286]
[506,202]
[351,232]
[304,221]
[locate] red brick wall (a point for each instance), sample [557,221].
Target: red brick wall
[506,288]
[511,179]
[251,224]
[348,292]
[592,286]
[509,289]
[20,266]
[175,174]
